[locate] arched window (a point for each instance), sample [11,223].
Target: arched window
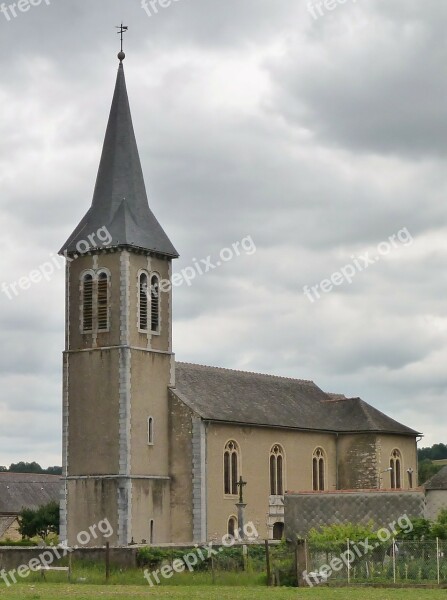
[103,302]
[151,531]
[231,462]
[150,431]
[87,303]
[318,470]
[155,304]
[278,531]
[143,301]
[396,469]
[276,471]
[232,526]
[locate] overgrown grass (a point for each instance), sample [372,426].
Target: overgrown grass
[87,592]
[85,573]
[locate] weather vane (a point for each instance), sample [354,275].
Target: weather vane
[122,30]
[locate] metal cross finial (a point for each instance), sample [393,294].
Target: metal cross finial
[122,29]
[241,484]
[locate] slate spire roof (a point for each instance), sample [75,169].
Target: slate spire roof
[228,396]
[120,201]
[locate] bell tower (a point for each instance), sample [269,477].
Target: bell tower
[118,360]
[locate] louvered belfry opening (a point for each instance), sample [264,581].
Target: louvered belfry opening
[87,303]
[103,302]
[155,304]
[143,290]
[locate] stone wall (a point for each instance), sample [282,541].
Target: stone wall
[307,510]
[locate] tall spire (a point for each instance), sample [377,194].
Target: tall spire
[120,201]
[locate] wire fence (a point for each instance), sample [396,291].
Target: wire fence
[397,562]
[342,562]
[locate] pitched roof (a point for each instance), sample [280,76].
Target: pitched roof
[252,398]
[5,524]
[438,481]
[27,490]
[120,201]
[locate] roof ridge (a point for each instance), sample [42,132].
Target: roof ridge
[269,375]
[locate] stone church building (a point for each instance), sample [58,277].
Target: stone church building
[157,447]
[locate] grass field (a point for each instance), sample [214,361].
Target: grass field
[87,592]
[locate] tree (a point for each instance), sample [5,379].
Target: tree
[439,528]
[435,452]
[40,522]
[3,469]
[25,467]
[32,467]
[53,471]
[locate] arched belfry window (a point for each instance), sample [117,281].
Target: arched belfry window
[143,301]
[87,302]
[396,469]
[318,470]
[103,301]
[276,471]
[231,468]
[155,304]
[95,301]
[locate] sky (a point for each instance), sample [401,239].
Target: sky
[315,134]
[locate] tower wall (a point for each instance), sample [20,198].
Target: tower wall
[113,382]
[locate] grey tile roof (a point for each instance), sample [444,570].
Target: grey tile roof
[120,201]
[252,398]
[27,490]
[438,481]
[5,524]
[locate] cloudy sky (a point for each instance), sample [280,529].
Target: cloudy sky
[318,136]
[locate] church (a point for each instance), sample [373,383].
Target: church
[159,447]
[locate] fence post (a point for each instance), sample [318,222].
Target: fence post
[107,561]
[267,560]
[438,560]
[394,559]
[213,571]
[301,562]
[349,562]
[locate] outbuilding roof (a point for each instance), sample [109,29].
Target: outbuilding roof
[27,490]
[229,396]
[438,481]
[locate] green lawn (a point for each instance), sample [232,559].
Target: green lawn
[87,592]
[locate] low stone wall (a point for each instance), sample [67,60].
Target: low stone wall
[13,557]
[303,511]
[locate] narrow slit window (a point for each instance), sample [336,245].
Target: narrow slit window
[143,291]
[87,303]
[232,527]
[103,302]
[150,431]
[155,304]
